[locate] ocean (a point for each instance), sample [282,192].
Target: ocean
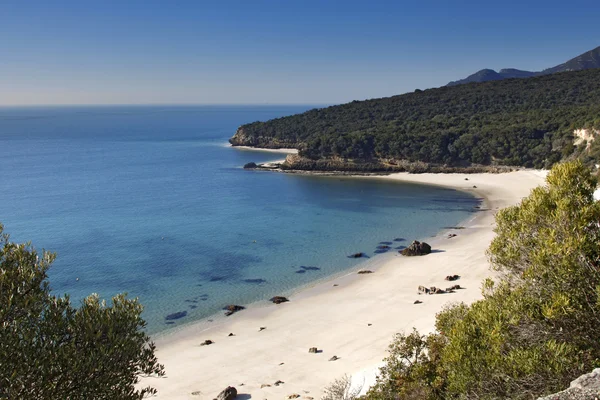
[150,200]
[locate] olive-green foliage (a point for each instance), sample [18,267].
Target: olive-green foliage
[51,350]
[537,327]
[520,122]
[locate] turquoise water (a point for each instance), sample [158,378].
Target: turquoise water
[151,201]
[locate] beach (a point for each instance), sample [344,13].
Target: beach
[353,317]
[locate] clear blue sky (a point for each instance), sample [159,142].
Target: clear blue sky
[254,51]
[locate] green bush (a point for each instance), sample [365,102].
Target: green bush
[537,327]
[51,350]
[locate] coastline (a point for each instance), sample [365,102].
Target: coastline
[336,318]
[249,148]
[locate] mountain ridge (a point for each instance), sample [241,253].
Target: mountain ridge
[588,60]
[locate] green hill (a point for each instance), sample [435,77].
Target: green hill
[517,122]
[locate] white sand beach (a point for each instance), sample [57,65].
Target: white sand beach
[353,317]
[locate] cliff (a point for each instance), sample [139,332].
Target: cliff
[243,138]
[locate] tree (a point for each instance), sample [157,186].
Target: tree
[537,328]
[52,350]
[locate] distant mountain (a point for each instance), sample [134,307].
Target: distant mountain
[587,60]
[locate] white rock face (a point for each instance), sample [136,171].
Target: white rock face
[586,136]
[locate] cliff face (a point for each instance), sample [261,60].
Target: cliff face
[242,138]
[294,162]
[586,136]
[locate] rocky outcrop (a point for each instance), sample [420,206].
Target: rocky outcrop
[585,136]
[232,309]
[250,165]
[586,387]
[295,162]
[416,248]
[228,393]
[243,138]
[279,299]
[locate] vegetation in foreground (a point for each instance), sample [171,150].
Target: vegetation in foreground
[51,350]
[516,122]
[537,327]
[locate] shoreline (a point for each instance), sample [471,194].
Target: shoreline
[250,148]
[336,318]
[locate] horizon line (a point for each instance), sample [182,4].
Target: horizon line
[162,104]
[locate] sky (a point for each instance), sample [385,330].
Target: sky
[273,52]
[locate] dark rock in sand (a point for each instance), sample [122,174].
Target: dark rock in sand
[417,302]
[250,165]
[262,328]
[279,382]
[206,342]
[334,358]
[228,393]
[279,299]
[176,315]
[232,309]
[313,350]
[364,271]
[231,334]
[452,277]
[416,248]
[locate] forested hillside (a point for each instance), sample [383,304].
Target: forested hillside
[520,122]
